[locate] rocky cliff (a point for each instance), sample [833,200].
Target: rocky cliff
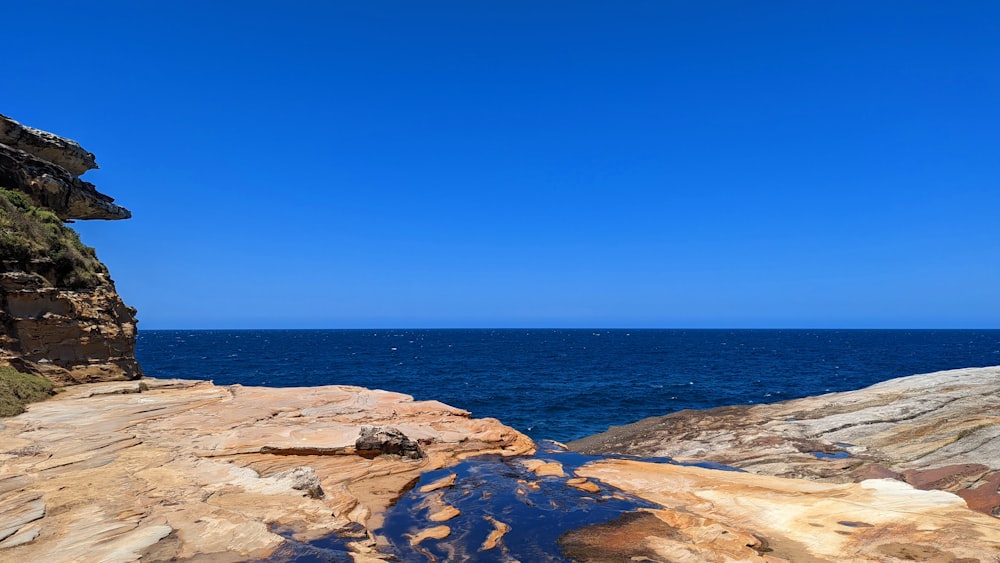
[60,315]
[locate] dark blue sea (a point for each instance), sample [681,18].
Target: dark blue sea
[566,384]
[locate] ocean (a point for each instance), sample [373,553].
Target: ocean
[566,384]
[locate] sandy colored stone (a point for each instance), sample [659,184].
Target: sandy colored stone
[60,151]
[67,334]
[442,483]
[901,427]
[583,484]
[435,533]
[543,468]
[443,514]
[795,519]
[437,509]
[189,469]
[496,535]
[18,510]
[46,168]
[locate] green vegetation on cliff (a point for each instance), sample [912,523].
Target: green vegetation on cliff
[17,389]
[34,240]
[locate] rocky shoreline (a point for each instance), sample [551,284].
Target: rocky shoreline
[172,469]
[159,470]
[934,431]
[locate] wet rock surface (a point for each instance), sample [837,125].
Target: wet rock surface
[535,509]
[499,509]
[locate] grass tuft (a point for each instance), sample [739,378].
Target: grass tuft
[34,239]
[18,389]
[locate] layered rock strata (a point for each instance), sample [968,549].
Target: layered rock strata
[169,469]
[185,470]
[713,515]
[935,431]
[691,514]
[47,168]
[60,315]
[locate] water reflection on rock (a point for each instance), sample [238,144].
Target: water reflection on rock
[500,509]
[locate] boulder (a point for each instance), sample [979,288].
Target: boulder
[375,441]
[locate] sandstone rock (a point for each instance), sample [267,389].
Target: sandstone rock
[190,470]
[49,185]
[60,316]
[67,336]
[544,468]
[583,484]
[946,422]
[437,509]
[714,515]
[500,529]
[18,511]
[46,146]
[302,479]
[442,483]
[436,533]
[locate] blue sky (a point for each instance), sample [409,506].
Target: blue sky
[531,164]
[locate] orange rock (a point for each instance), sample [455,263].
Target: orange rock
[583,484]
[187,469]
[712,513]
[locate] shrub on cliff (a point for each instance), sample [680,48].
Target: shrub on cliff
[17,389]
[33,239]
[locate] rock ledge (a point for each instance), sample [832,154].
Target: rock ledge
[174,469]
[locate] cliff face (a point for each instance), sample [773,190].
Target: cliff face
[60,315]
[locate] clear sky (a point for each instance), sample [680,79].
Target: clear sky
[531,163]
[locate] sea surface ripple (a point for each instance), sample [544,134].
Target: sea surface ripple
[566,384]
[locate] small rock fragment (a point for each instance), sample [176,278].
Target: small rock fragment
[435,533]
[386,440]
[441,483]
[583,484]
[544,468]
[500,529]
[445,513]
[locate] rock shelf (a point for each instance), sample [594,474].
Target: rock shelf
[164,469]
